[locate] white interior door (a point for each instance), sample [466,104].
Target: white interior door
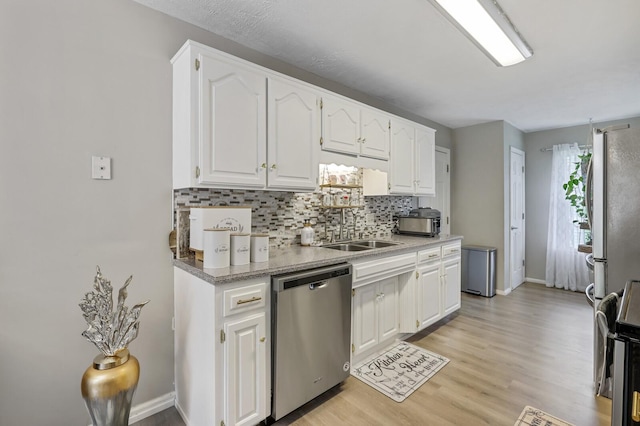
[517,220]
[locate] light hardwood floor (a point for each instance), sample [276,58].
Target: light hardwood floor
[533,347]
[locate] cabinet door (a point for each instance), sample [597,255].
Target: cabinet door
[365,324]
[374,134]
[425,161]
[388,313]
[428,294]
[451,285]
[246,366]
[292,136]
[402,162]
[232,124]
[340,126]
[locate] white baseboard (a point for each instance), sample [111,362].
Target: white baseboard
[504,292]
[535,281]
[151,407]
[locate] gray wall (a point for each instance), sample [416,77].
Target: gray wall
[477,186]
[82,78]
[480,187]
[538,178]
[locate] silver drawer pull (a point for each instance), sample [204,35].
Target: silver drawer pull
[432,256]
[253,299]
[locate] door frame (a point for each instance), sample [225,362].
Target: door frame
[522,224]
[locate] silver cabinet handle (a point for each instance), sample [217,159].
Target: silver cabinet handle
[514,227]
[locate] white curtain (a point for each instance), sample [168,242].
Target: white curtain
[566,267]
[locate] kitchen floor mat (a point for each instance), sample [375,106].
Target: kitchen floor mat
[533,417]
[399,370]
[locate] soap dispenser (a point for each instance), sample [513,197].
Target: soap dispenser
[306,234]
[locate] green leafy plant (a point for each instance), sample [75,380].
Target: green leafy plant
[575,187]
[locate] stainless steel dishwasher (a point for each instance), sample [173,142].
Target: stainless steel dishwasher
[311,332]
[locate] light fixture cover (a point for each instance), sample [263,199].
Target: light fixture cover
[486,25]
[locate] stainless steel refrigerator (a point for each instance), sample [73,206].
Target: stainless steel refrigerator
[615,212]
[613,204]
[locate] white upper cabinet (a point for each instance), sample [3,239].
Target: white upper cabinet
[340,126]
[412,163]
[220,112]
[239,125]
[426,161]
[401,168]
[374,134]
[233,126]
[293,133]
[350,128]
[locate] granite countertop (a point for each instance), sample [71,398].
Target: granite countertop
[297,258]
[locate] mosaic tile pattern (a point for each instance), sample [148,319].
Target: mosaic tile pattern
[282,214]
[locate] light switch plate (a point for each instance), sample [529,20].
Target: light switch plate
[100,167]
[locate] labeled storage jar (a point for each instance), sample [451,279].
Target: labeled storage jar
[240,249]
[259,247]
[216,248]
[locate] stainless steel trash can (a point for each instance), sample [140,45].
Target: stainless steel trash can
[479,270]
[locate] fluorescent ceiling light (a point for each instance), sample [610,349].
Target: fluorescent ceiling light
[484,22]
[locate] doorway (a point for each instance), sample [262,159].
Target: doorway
[516,217]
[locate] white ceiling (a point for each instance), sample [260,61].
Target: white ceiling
[586,61]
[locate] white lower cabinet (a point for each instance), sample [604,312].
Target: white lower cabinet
[437,284]
[375,314]
[450,285]
[428,295]
[245,381]
[221,350]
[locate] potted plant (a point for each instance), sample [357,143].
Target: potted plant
[575,192]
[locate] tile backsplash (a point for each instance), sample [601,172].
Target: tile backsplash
[282,214]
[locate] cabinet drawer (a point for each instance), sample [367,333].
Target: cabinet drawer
[429,255]
[244,298]
[451,250]
[383,267]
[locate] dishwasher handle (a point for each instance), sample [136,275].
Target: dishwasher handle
[313,278]
[317,285]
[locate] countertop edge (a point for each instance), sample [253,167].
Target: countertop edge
[298,258]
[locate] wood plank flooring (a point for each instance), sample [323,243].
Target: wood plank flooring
[533,347]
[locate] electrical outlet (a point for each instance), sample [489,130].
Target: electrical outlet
[370,219]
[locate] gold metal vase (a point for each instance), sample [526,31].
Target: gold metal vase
[108,387]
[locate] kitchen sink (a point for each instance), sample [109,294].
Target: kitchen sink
[360,245]
[347,247]
[375,243]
